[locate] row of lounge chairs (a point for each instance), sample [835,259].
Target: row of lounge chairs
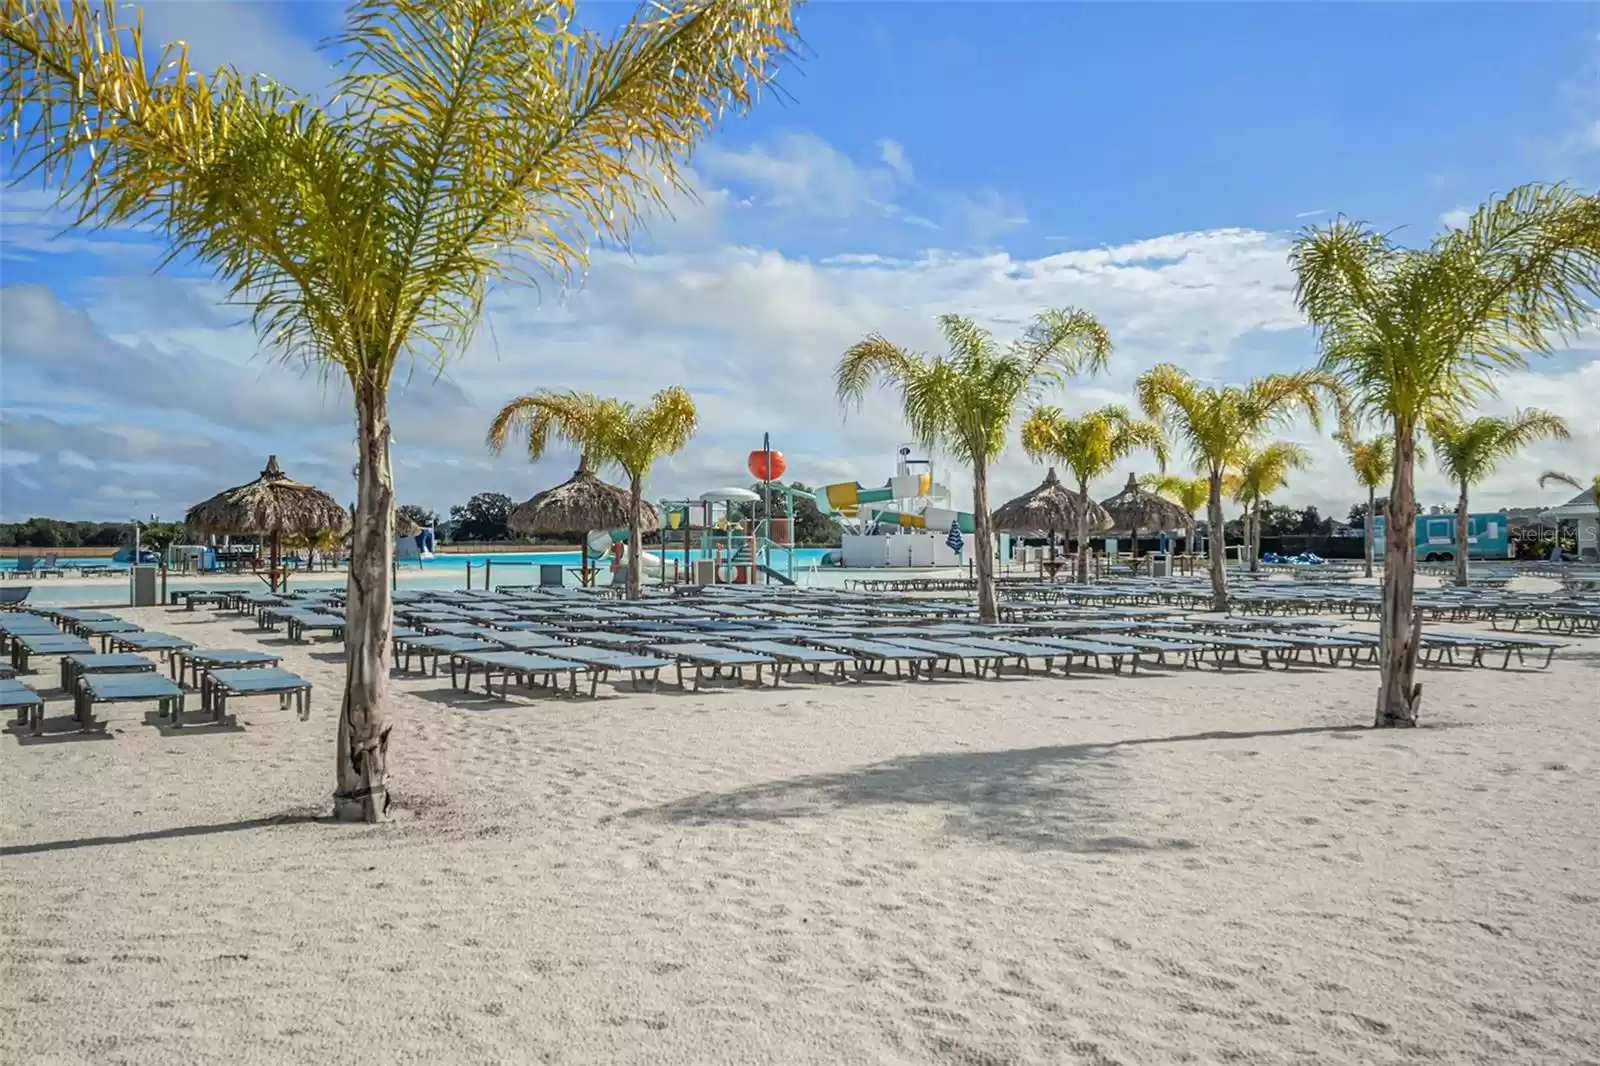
[567,641]
[121,671]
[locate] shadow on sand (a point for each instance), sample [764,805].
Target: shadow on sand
[1057,798]
[158,834]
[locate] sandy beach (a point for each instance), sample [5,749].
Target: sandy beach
[1194,867]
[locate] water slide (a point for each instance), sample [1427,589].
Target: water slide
[847,498]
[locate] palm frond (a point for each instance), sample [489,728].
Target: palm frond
[1468,452]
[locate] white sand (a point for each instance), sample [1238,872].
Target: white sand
[1194,867]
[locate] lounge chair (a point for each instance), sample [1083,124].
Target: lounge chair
[75,666]
[125,688]
[1090,651]
[105,629]
[1222,646]
[11,599]
[27,704]
[949,652]
[791,655]
[23,623]
[431,648]
[27,566]
[300,623]
[873,656]
[218,686]
[703,657]
[163,644]
[26,646]
[608,659]
[521,666]
[197,662]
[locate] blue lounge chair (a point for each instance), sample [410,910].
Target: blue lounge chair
[704,657]
[75,666]
[125,688]
[521,666]
[198,662]
[27,704]
[218,686]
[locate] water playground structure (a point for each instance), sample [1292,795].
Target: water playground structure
[736,536]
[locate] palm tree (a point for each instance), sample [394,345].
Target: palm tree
[1090,446]
[1417,335]
[1469,451]
[472,142]
[1556,476]
[1219,424]
[1190,493]
[1261,472]
[965,400]
[604,432]
[1372,462]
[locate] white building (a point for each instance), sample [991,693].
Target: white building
[1581,509]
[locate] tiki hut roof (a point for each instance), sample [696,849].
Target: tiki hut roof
[577,505]
[1136,508]
[1050,508]
[272,503]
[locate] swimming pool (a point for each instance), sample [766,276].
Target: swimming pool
[803,558]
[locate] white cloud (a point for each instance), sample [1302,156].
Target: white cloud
[1456,217]
[894,157]
[166,396]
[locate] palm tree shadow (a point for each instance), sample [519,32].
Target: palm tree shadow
[1058,798]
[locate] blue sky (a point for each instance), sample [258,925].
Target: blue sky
[1148,162]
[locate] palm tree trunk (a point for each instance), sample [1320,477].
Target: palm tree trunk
[1255,543]
[1372,511]
[1215,541]
[1252,521]
[1399,696]
[983,545]
[1083,534]
[361,788]
[1461,536]
[635,536]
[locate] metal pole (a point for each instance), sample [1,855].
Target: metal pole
[766,497]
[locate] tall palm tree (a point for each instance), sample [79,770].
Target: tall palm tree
[604,432]
[1091,446]
[473,141]
[1372,461]
[1417,335]
[964,401]
[1190,493]
[1468,452]
[1219,424]
[1259,473]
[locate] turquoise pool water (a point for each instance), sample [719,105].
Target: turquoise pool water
[803,557]
[441,572]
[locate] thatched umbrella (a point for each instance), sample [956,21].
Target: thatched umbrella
[1134,509]
[273,506]
[581,503]
[1050,509]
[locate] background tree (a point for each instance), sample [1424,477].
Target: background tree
[1090,446]
[1190,493]
[1219,423]
[1372,461]
[1259,473]
[809,525]
[1312,524]
[420,515]
[474,141]
[481,518]
[604,432]
[965,400]
[1468,452]
[1417,335]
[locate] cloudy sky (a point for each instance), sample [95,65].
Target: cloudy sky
[1148,163]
